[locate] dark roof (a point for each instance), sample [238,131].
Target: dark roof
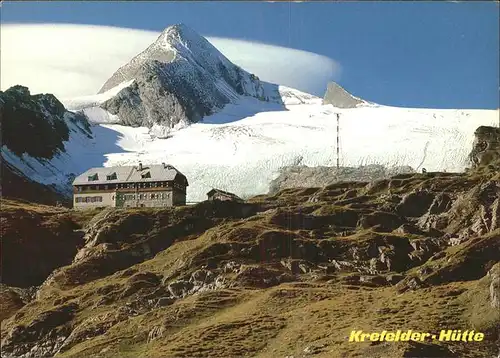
[214,191]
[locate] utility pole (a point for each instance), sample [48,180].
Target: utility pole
[338,140]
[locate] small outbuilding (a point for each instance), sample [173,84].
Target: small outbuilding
[221,195]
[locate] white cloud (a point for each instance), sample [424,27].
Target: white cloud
[75,60]
[306,71]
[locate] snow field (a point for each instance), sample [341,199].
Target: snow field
[242,148]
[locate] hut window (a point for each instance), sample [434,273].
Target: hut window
[93,177]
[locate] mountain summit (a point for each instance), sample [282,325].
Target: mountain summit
[180,78]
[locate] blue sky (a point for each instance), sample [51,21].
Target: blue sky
[412,54]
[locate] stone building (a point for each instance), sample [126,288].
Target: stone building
[130,186]
[217,194]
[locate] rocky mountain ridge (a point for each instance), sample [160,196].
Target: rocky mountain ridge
[279,275]
[34,127]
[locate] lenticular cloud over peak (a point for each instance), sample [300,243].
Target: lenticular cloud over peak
[75,60]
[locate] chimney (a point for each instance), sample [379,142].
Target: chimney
[164,165]
[140,166]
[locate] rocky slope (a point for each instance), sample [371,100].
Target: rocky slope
[301,176]
[34,127]
[486,151]
[180,78]
[289,274]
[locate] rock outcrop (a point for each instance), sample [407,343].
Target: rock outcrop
[11,301]
[486,149]
[494,276]
[340,98]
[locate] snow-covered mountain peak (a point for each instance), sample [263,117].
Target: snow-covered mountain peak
[181,42]
[182,37]
[180,78]
[179,30]
[177,43]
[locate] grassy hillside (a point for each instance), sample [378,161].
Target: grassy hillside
[290,274]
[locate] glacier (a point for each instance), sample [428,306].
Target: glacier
[242,148]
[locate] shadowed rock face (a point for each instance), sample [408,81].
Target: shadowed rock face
[180,78]
[36,125]
[486,148]
[340,98]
